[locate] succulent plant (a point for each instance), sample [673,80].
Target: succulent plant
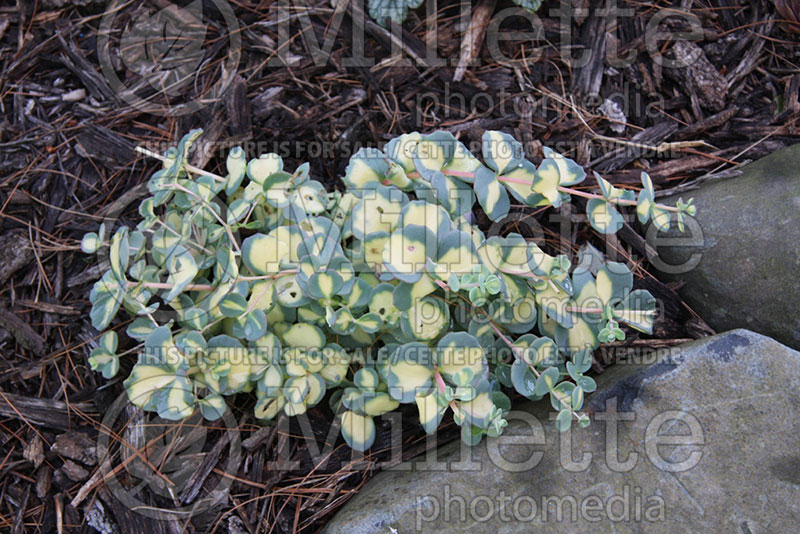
[381,295]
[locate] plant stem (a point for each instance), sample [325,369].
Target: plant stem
[523,274]
[164,285]
[511,180]
[190,168]
[267,276]
[460,174]
[207,205]
[618,201]
[209,287]
[439,381]
[584,310]
[189,241]
[568,190]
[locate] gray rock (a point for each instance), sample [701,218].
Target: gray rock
[704,440]
[747,241]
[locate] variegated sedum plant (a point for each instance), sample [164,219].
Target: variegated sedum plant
[384,294]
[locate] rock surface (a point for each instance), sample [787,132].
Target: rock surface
[747,241]
[703,440]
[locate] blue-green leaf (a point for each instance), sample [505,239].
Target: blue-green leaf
[409,371]
[370,322]
[492,196]
[564,420]
[90,243]
[140,328]
[104,361]
[603,216]
[367,168]
[358,430]
[547,380]
[233,305]
[523,380]
[182,270]
[212,406]
[105,308]
[255,325]
[501,151]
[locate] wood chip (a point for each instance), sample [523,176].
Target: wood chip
[74,471]
[44,479]
[699,77]
[45,412]
[34,451]
[474,36]
[47,307]
[17,253]
[22,332]
[76,446]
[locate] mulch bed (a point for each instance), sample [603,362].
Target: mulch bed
[67,157]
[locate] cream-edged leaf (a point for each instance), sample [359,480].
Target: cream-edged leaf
[547,180]
[492,196]
[432,407]
[405,252]
[638,310]
[358,430]
[409,371]
[258,170]
[367,169]
[603,216]
[263,253]
[501,151]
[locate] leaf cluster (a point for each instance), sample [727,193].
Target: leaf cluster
[387,293]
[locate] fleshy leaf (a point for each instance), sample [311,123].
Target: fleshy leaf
[547,180]
[258,170]
[182,270]
[405,295]
[433,153]
[263,253]
[90,243]
[523,380]
[661,218]
[492,196]
[401,150]
[519,181]
[564,420]
[233,305]
[104,361]
[406,250]
[644,206]
[569,172]
[358,430]
[378,210]
[410,370]
[501,151]
[305,336]
[325,285]
[105,307]
[237,167]
[546,381]
[426,319]
[614,281]
[431,410]
[458,352]
[109,341]
[255,325]
[602,216]
[637,309]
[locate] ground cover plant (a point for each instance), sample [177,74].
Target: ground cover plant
[384,294]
